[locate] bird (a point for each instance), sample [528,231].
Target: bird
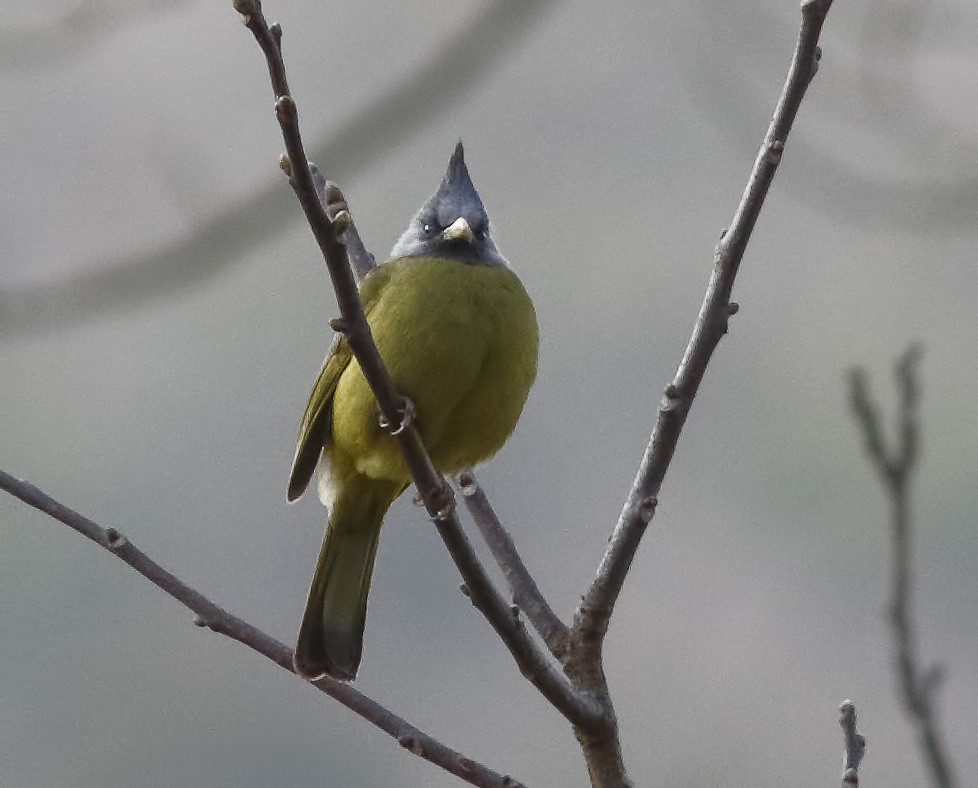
[459,338]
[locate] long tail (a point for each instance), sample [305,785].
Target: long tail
[331,633]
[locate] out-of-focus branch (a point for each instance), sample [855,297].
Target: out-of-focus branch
[591,618]
[61,33]
[526,594]
[935,198]
[895,467]
[533,662]
[109,286]
[855,744]
[219,620]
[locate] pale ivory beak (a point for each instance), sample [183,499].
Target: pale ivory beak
[459,231]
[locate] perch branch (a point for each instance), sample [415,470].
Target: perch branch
[532,661]
[526,595]
[895,467]
[592,615]
[855,744]
[219,620]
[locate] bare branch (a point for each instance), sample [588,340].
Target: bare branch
[219,620]
[533,662]
[330,196]
[916,684]
[590,624]
[580,709]
[591,618]
[526,594]
[855,744]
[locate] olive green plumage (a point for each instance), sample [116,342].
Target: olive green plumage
[458,335]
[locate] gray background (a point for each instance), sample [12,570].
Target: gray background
[610,144]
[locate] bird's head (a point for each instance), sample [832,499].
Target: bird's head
[453,222]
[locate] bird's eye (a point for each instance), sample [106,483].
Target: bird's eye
[481,232]
[428,228]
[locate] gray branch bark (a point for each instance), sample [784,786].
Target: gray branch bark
[598,603]
[855,745]
[525,592]
[219,620]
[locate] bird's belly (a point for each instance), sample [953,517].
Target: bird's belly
[459,341]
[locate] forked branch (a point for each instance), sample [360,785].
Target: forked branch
[895,467]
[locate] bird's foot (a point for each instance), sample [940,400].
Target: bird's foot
[407,412]
[441,503]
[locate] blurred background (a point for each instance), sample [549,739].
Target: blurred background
[163,313]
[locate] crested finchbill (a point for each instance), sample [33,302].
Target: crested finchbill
[458,335]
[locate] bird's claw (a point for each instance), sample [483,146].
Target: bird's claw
[407,412]
[443,502]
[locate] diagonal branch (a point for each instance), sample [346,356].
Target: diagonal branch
[895,469]
[526,594]
[533,662]
[219,620]
[331,198]
[592,615]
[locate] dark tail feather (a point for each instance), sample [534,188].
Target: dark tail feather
[331,633]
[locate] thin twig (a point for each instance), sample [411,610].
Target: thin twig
[526,594]
[855,744]
[533,662]
[590,623]
[361,260]
[591,618]
[219,620]
[895,467]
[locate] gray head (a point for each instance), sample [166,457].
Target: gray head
[453,223]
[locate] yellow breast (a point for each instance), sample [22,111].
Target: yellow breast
[460,341]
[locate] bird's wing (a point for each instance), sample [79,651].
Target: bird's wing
[316,428]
